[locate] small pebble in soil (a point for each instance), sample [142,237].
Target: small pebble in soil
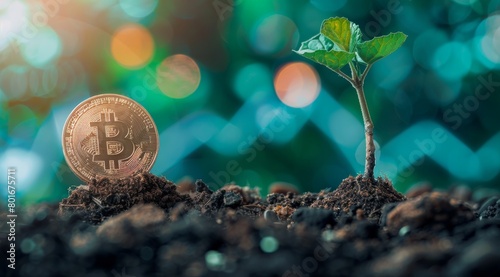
[186,185]
[232,199]
[490,208]
[271,216]
[318,218]
[202,187]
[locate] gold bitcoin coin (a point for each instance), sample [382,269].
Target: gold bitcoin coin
[109,135]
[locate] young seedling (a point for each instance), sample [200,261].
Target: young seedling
[339,44]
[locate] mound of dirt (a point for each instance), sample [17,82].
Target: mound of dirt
[145,226]
[361,193]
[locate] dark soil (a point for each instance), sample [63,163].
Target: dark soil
[360,193]
[147,226]
[100,199]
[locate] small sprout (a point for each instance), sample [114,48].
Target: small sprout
[339,44]
[269,244]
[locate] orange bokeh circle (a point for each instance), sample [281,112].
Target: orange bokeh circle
[132,46]
[297,84]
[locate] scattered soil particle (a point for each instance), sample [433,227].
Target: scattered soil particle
[284,205]
[200,186]
[247,195]
[359,193]
[490,208]
[318,218]
[433,210]
[232,199]
[185,185]
[215,203]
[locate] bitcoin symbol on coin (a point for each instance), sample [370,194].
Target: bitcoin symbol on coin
[109,135]
[113,144]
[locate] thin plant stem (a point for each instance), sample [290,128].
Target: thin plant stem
[354,72]
[365,72]
[357,82]
[370,145]
[343,75]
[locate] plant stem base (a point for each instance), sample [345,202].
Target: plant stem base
[367,194]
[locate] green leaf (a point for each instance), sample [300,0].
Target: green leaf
[345,34]
[380,47]
[321,50]
[317,42]
[332,59]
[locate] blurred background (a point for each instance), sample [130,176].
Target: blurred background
[232,102]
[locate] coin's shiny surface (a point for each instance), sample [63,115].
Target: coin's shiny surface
[109,135]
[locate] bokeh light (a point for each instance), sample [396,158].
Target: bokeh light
[441,91]
[297,84]
[488,41]
[402,60]
[426,44]
[492,6]
[12,14]
[343,129]
[309,19]
[452,60]
[138,8]
[253,81]
[42,82]
[23,122]
[20,158]
[132,46]
[458,13]
[42,49]
[178,76]
[274,35]
[14,81]
[70,40]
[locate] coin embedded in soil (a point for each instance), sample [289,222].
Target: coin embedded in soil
[109,135]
